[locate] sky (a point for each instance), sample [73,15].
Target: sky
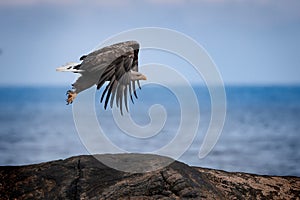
[251,42]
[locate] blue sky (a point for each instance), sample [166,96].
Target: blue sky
[252,42]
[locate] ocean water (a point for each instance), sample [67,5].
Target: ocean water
[261,133]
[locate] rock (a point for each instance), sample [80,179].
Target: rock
[84,177]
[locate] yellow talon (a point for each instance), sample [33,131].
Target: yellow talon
[71,96]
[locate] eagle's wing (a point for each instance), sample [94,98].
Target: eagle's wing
[114,64]
[100,66]
[119,77]
[98,60]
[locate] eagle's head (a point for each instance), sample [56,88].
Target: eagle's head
[135,76]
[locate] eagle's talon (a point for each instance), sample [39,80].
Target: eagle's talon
[71,96]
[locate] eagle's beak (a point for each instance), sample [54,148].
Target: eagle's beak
[144,77]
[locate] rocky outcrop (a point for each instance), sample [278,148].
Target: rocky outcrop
[84,177]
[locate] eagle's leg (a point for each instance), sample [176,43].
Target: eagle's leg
[71,96]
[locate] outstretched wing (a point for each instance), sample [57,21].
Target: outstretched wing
[100,59]
[120,84]
[103,64]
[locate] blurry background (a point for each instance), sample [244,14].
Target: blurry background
[255,44]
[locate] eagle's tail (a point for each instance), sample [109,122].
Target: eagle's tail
[70,67]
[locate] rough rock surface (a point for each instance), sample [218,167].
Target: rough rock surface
[84,177]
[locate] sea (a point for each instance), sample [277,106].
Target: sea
[261,132]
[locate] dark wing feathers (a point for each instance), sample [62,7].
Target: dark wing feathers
[119,97]
[133,87]
[125,98]
[113,92]
[114,64]
[130,92]
[118,89]
[83,57]
[103,57]
[104,92]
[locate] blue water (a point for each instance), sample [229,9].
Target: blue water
[261,132]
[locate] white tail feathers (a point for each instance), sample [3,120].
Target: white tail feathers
[69,67]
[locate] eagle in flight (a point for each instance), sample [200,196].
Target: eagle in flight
[117,64]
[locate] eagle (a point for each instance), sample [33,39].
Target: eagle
[116,64]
